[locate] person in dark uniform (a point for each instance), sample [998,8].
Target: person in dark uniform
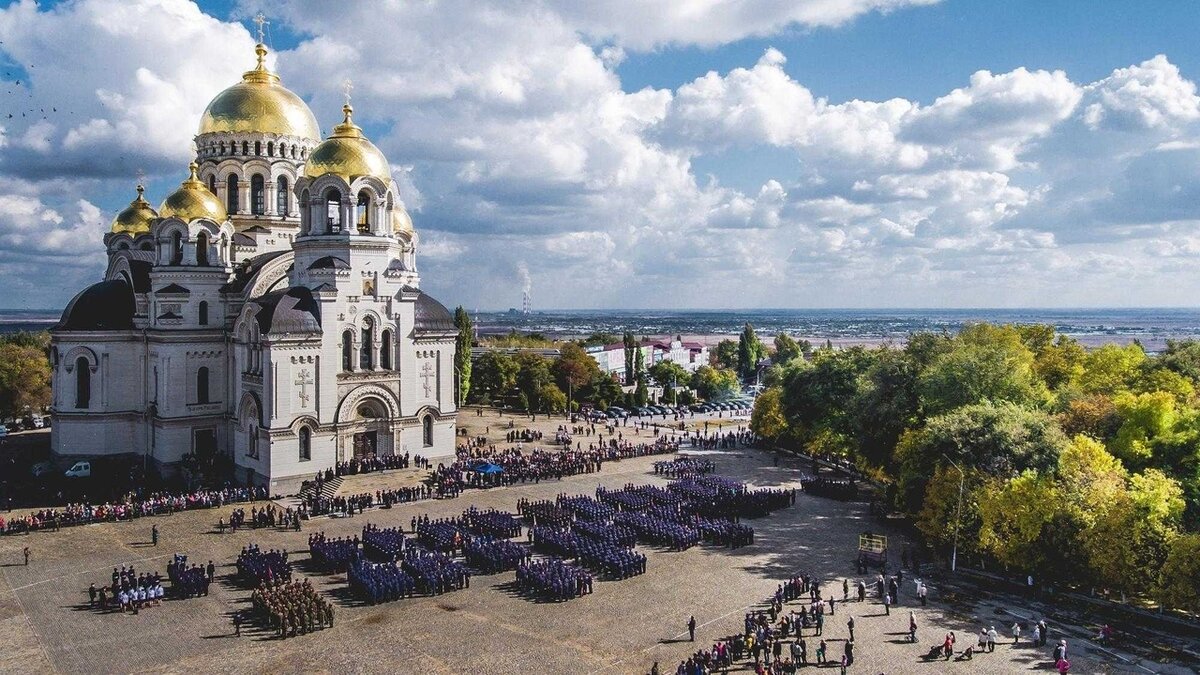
[691,625]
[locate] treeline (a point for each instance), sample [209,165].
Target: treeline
[24,373]
[1079,467]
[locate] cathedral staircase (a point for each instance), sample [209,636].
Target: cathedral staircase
[329,488]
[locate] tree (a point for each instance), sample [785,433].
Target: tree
[600,338]
[551,399]
[750,351]
[767,418]
[714,383]
[574,368]
[667,373]
[940,511]
[494,377]
[1112,369]
[985,363]
[1015,518]
[603,391]
[462,353]
[1179,579]
[786,348]
[1000,439]
[726,354]
[1094,415]
[24,378]
[1145,417]
[885,404]
[532,378]
[1183,357]
[631,346]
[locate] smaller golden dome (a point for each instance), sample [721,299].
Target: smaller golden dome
[193,200]
[401,221]
[347,153]
[135,218]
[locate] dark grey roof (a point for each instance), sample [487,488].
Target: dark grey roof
[240,239]
[329,262]
[325,288]
[140,270]
[108,305]
[432,316]
[245,271]
[169,315]
[288,310]
[174,289]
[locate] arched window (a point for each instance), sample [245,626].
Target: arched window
[258,148]
[212,184]
[83,383]
[364,212]
[333,210]
[231,194]
[176,248]
[366,350]
[385,350]
[203,319]
[222,147]
[258,195]
[245,147]
[281,196]
[347,351]
[427,430]
[252,440]
[202,385]
[202,249]
[305,444]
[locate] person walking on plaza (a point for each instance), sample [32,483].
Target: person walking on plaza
[154,535]
[237,624]
[850,625]
[992,636]
[887,604]
[26,552]
[691,625]
[922,592]
[848,652]
[1016,631]
[912,626]
[91,595]
[845,590]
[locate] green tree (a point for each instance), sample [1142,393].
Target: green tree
[1179,579]
[462,352]
[24,378]
[602,391]
[1144,417]
[532,378]
[726,354]
[600,338]
[631,347]
[786,349]
[714,383]
[551,399]
[885,405]
[750,352]
[1016,519]
[1183,357]
[1112,369]
[767,418]
[493,377]
[574,369]
[985,363]
[941,510]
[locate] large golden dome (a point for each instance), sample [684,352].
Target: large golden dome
[193,200]
[347,153]
[135,218]
[401,221]
[260,104]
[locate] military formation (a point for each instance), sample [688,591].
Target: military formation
[292,608]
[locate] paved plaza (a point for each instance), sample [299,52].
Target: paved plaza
[623,627]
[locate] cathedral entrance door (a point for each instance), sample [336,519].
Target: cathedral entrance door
[365,443]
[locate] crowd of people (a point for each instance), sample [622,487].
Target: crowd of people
[189,581]
[833,488]
[379,582]
[259,567]
[268,516]
[553,580]
[128,591]
[683,467]
[135,504]
[435,572]
[292,608]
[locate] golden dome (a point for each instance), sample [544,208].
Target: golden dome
[135,218]
[401,221]
[260,104]
[193,200]
[347,153]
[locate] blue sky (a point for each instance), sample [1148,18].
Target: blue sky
[616,154]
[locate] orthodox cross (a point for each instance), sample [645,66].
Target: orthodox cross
[347,87]
[302,381]
[426,373]
[141,177]
[261,21]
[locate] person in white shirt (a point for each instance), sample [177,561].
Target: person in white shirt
[1016,631]
[992,636]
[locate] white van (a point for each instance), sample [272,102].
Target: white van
[80,470]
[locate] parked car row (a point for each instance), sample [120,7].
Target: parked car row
[736,405]
[38,422]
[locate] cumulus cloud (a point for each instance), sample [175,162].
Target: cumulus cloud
[515,142]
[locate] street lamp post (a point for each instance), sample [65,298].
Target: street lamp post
[957,512]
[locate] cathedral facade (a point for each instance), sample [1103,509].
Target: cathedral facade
[268,313]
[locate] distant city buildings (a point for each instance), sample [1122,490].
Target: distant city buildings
[690,355]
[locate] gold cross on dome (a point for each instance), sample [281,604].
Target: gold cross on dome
[141,177]
[347,87]
[261,21]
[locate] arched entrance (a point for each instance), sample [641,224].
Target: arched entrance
[371,416]
[366,419]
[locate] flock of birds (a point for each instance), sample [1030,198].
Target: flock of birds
[8,77]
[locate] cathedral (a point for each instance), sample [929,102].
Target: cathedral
[267,316]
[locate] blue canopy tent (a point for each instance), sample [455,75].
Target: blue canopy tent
[488,468]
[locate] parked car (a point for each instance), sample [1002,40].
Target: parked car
[80,470]
[34,422]
[41,469]
[46,421]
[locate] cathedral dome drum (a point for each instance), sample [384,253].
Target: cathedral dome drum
[347,153]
